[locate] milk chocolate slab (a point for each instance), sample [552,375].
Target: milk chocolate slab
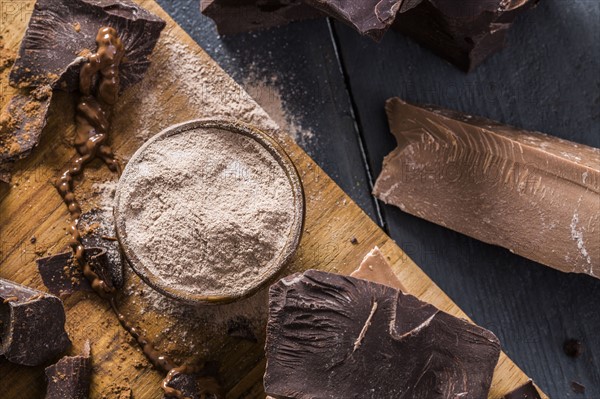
[333,336]
[62,32]
[31,325]
[21,125]
[537,195]
[464,32]
[527,391]
[375,267]
[369,17]
[61,277]
[70,377]
[236,16]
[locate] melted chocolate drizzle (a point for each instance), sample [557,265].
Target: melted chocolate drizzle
[101,71]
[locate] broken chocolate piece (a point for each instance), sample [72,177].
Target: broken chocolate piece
[247,15]
[201,385]
[527,391]
[31,325]
[21,125]
[463,32]
[369,17]
[375,267]
[534,194]
[573,347]
[61,276]
[53,50]
[577,387]
[70,377]
[333,336]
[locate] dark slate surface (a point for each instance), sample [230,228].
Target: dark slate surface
[548,79]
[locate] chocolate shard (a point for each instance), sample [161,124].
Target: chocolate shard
[464,32]
[369,17]
[61,276]
[32,325]
[375,267]
[61,33]
[70,377]
[534,194]
[197,386]
[248,15]
[527,391]
[21,125]
[186,384]
[333,336]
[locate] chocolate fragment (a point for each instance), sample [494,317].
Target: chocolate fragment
[463,32]
[527,391]
[375,267]
[62,277]
[70,377]
[53,51]
[534,194]
[200,385]
[333,336]
[21,125]
[31,325]
[247,15]
[577,387]
[572,347]
[369,17]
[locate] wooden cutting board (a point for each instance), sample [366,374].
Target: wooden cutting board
[183,83]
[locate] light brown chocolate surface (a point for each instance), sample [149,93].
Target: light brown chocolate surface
[535,194]
[375,267]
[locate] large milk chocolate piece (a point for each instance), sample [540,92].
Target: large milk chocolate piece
[70,377]
[537,195]
[464,32]
[31,325]
[61,32]
[235,16]
[333,336]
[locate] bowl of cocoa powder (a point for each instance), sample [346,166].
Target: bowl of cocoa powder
[209,211]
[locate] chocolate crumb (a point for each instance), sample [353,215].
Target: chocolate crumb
[573,348]
[577,387]
[354,241]
[33,240]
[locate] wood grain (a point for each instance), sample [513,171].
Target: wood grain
[33,208]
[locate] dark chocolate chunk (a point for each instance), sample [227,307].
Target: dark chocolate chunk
[577,387]
[186,384]
[572,347]
[70,377]
[32,325]
[62,33]
[527,391]
[241,327]
[464,32]
[197,386]
[369,17]
[61,277]
[21,125]
[247,15]
[332,336]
